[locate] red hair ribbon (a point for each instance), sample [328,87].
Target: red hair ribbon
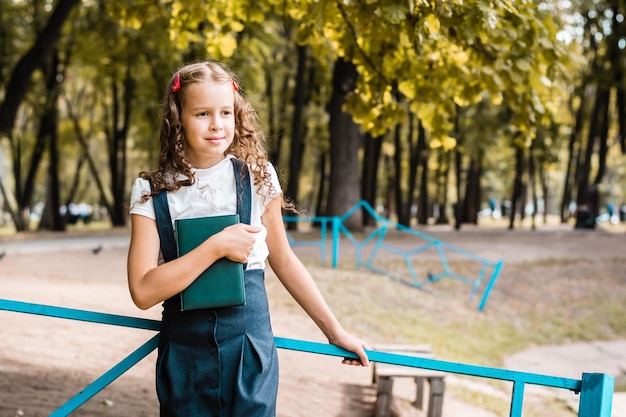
[176,83]
[235,86]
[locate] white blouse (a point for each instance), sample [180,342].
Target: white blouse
[212,194]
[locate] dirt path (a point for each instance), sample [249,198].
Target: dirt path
[44,361]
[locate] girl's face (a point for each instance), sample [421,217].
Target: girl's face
[208,120]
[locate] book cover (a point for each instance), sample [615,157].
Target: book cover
[220,285]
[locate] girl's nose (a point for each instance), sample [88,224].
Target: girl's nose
[215,125]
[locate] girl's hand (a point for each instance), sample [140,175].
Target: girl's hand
[237,241]
[353,344]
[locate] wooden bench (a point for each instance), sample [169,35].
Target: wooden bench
[384,374]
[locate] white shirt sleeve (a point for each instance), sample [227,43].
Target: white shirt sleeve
[140,188]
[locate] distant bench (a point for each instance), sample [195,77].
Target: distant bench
[383,375]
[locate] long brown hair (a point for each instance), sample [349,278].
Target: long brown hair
[173,169]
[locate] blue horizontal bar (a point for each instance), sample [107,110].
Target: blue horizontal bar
[305,346]
[81,315]
[433,364]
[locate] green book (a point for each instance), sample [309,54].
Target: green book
[221,284]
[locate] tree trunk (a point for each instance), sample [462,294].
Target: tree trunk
[345,142]
[51,218]
[545,192]
[423,201]
[603,136]
[532,184]
[459,206]
[414,159]
[402,212]
[371,162]
[518,184]
[471,202]
[117,139]
[36,56]
[572,157]
[443,173]
[321,188]
[297,132]
[586,195]
[275,112]
[390,199]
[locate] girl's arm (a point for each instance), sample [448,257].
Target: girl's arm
[298,281]
[150,283]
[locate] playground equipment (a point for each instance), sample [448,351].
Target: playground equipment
[374,247]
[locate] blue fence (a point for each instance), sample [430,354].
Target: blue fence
[380,248]
[595,390]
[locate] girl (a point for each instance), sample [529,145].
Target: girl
[222,361]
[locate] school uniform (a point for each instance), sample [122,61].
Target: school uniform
[218,362]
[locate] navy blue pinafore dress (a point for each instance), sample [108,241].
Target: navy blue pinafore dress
[216,362]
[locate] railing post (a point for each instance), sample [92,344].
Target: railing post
[517,399]
[490,284]
[596,395]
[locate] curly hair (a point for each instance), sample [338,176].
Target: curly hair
[174,170]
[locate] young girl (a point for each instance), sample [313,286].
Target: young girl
[221,361]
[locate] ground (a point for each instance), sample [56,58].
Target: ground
[45,361]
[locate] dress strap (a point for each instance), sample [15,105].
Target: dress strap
[164,225]
[244,191]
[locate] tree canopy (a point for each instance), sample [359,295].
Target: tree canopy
[436,86]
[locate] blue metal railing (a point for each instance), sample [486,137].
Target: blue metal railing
[377,239]
[596,390]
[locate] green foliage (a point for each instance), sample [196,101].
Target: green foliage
[440,55]
[499,63]
[436,55]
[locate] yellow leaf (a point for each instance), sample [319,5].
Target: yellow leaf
[497,98]
[425,111]
[387,97]
[226,46]
[461,101]
[522,64]
[404,40]
[432,23]
[236,26]
[449,142]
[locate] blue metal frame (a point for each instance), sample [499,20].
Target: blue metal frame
[323,230]
[596,390]
[378,238]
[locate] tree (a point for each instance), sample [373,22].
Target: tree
[16,89]
[34,58]
[468,48]
[346,139]
[412,65]
[597,102]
